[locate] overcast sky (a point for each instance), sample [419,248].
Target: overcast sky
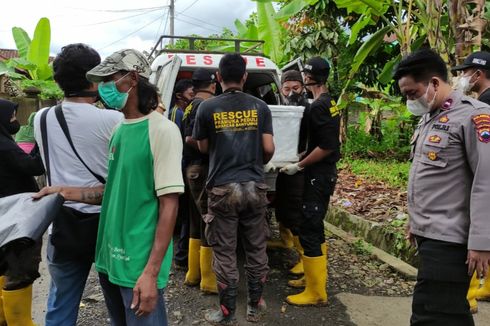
[110,25]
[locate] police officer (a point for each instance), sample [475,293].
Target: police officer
[476,78]
[319,165]
[200,252]
[236,130]
[450,169]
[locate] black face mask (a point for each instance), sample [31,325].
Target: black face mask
[13,127]
[294,98]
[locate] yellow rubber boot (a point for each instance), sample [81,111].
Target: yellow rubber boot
[193,275]
[301,282]
[209,284]
[17,306]
[472,292]
[298,269]
[3,321]
[483,293]
[315,293]
[285,241]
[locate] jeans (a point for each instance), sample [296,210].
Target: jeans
[68,279]
[118,301]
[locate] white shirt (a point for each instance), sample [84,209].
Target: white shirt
[90,130]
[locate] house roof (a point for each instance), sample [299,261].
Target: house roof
[6,54]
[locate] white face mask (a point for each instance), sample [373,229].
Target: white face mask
[421,106]
[464,83]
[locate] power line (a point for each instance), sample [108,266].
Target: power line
[118,19]
[189,7]
[157,35]
[130,34]
[199,20]
[204,27]
[121,10]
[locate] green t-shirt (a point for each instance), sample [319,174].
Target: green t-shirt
[144,163]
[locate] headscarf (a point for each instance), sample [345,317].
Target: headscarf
[7,108]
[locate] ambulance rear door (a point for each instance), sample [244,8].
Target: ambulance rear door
[164,77]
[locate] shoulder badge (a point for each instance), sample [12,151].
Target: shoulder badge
[482,127]
[434,139]
[443,119]
[432,156]
[334,109]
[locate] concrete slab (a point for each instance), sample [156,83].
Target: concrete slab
[393,311]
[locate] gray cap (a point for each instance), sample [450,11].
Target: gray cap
[122,60]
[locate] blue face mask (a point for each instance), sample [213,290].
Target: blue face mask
[112,96]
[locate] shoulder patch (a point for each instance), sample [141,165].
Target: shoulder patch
[334,109]
[482,127]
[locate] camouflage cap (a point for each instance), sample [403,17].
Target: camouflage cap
[122,60]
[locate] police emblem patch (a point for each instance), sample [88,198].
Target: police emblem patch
[432,156]
[482,127]
[444,119]
[435,139]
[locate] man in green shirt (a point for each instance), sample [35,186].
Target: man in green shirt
[140,199]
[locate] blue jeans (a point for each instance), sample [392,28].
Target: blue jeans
[68,279]
[118,300]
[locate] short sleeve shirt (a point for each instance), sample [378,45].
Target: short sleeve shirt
[233,123]
[323,120]
[190,153]
[144,163]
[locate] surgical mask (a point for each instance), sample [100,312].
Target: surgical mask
[464,83]
[13,127]
[420,106]
[112,96]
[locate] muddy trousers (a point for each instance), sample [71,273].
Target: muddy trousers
[318,189]
[439,297]
[237,211]
[196,175]
[289,200]
[21,265]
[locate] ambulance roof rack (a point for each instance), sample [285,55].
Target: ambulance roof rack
[255,49]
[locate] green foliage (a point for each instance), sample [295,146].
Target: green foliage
[22,41]
[269,30]
[49,88]
[361,247]
[392,172]
[38,51]
[397,228]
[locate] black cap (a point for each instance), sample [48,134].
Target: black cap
[318,67]
[291,75]
[479,59]
[203,75]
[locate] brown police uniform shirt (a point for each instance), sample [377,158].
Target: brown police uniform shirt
[449,182]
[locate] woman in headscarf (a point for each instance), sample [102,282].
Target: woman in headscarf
[21,261]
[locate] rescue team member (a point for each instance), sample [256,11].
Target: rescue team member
[236,130]
[182,95]
[289,188]
[20,261]
[319,164]
[139,208]
[200,269]
[450,167]
[476,78]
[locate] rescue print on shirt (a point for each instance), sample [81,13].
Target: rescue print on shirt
[432,156]
[435,139]
[442,127]
[334,109]
[187,111]
[244,120]
[482,127]
[443,119]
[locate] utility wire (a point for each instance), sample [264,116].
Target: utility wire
[204,27]
[121,10]
[132,33]
[199,20]
[157,35]
[190,6]
[118,19]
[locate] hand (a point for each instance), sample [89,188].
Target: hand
[409,236]
[145,295]
[270,167]
[46,191]
[478,261]
[291,169]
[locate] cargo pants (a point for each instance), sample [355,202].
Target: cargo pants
[196,175]
[238,211]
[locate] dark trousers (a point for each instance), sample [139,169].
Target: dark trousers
[196,177]
[22,264]
[237,211]
[316,196]
[439,296]
[289,200]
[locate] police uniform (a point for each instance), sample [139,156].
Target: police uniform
[448,206]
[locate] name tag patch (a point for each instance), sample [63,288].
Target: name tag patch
[438,126]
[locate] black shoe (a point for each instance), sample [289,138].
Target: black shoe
[226,314]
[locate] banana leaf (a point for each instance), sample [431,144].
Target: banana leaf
[292,8]
[39,50]
[269,30]
[22,41]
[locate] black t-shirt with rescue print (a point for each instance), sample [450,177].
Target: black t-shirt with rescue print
[233,123]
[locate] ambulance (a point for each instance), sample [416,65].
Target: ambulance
[263,82]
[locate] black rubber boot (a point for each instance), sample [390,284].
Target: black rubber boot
[255,303]
[225,316]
